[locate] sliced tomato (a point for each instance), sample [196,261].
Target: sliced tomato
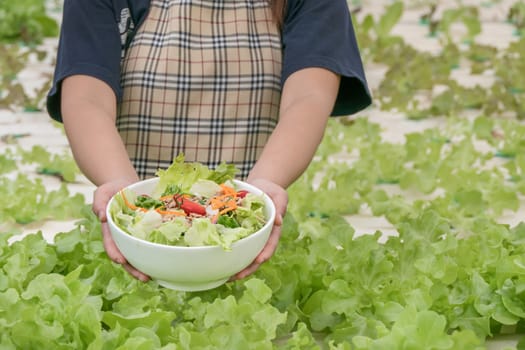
[189,206]
[242,193]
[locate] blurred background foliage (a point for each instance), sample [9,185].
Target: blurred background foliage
[410,77]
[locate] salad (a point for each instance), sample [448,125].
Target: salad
[191,205]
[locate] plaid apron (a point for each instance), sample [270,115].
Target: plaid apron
[201,77]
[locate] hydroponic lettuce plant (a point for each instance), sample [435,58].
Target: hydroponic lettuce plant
[26,200]
[26,21]
[412,74]
[516,16]
[62,165]
[23,27]
[13,95]
[451,279]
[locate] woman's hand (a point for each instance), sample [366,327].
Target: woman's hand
[280,199]
[100,200]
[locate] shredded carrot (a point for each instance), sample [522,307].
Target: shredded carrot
[130,205]
[226,199]
[228,190]
[231,204]
[226,210]
[161,212]
[223,211]
[226,206]
[216,203]
[170,212]
[169,196]
[225,202]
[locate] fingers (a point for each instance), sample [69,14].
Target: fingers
[246,272]
[270,246]
[135,273]
[103,194]
[279,197]
[109,245]
[264,255]
[281,203]
[101,198]
[114,254]
[278,220]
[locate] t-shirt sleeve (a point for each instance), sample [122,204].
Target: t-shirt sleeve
[89,44]
[320,34]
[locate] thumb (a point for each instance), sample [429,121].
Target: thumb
[100,201]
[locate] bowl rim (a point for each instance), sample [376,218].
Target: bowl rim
[270,221]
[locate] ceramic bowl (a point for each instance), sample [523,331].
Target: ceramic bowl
[191,268]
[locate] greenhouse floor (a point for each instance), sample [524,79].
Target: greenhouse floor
[36,128]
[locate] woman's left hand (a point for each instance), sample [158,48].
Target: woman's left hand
[280,199]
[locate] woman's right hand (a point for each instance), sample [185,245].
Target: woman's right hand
[101,198]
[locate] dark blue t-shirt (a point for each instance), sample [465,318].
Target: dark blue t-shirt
[315,33]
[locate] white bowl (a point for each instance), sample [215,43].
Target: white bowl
[191,268]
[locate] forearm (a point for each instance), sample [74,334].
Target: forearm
[292,145]
[96,150]
[307,101]
[88,114]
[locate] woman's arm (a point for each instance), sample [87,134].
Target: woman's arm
[307,100]
[88,112]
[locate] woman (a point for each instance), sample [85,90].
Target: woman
[248,82]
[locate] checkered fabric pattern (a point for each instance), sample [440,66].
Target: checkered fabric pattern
[201,77]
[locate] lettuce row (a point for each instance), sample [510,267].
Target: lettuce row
[450,279]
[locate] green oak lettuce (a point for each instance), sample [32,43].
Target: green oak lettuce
[451,278]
